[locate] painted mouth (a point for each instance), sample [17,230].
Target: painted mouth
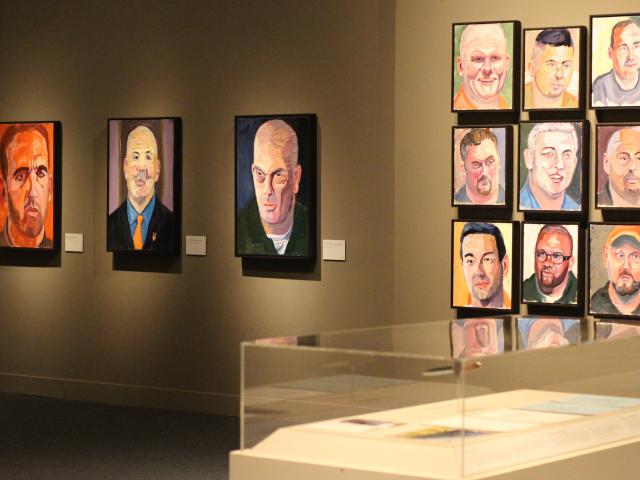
[556,178]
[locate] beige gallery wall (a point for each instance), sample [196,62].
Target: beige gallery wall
[422,136]
[166,332]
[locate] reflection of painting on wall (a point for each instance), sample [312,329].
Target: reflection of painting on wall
[614,273]
[481,256]
[618,166]
[546,332]
[615,57]
[551,166]
[143,197]
[552,68]
[550,253]
[275,186]
[482,66]
[476,337]
[612,330]
[27,200]
[481,165]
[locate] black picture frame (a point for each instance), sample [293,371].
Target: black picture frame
[604,199]
[165,219]
[578,261]
[513,48]
[596,42]
[580,33]
[51,130]
[250,237]
[597,276]
[578,185]
[457,269]
[504,132]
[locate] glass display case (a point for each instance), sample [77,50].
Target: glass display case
[440,400]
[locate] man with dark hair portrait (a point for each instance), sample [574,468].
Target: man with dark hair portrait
[551,68]
[485,263]
[621,85]
[26,186]
[142,221]
[480,168]
[552,280]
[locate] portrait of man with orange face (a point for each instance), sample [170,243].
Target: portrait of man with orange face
[274,171]
[482,66]
[26,185]
[142,185]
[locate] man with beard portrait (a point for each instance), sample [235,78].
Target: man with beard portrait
[480,168]
[621,257]
[552,280]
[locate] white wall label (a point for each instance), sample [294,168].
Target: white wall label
[196,245]
[74,242]
[334,250]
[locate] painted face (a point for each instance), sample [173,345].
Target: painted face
[484,62]
[550,265]
[481,167]
[275,181]
[141,165]
[623,165]
[28,182]
[547,332]
[480,337]
[483,270]
[553,69]
[552,162]
[625,53]
[623,266]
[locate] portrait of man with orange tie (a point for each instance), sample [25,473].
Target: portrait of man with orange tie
[144,220]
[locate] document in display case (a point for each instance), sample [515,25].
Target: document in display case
[410,402]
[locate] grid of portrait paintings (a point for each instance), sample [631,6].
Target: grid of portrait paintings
[556,259]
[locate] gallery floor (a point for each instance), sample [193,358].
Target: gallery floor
[50,439]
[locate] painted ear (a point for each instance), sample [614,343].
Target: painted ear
[3,193]
[297,174]
[606,165]
[505,265]
[528,158]
[158,167]
[459,64]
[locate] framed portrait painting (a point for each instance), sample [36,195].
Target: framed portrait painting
[609,330]
[275,205]
[143,190]
[482,69]
[615,60]
[614,270]
[477,337]
[30,186]
[552,68]
[618,166]
[481,166]
[551,263]
[533,333]
[482,261]
[551,170]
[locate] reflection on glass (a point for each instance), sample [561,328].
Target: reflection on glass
[611,330]
[476,337]
[544,332]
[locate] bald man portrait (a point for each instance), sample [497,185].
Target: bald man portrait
[141,222]
[271,218]
[483,64]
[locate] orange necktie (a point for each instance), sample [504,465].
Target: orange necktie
[137,234]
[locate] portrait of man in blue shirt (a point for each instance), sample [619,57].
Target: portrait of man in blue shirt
[142,221]
[551,157]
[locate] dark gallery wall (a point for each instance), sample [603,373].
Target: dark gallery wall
[166,331]
[423,121]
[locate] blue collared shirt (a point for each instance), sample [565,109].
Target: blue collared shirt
[132,215]
[529,202]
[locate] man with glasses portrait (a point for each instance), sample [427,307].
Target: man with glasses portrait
[276,223]
[553,280]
